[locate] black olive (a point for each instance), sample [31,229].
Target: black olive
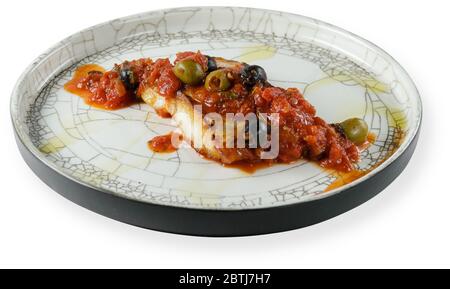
[212,64]
[127,76]
[252,75]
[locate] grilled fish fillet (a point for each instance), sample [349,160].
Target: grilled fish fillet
[181,109]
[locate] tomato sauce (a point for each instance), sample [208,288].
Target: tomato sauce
[159,75]
[302,134]
[234,100]
[163,143]
[196,56]
[343,178]
[108,89]
[250,167]
[99,88]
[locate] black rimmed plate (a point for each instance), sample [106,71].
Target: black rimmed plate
[100,160]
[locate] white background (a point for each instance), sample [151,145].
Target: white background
[407,225]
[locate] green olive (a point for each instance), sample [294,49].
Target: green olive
[217,80]
[355,129]
[189,72]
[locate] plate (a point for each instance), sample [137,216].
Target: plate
[100,160]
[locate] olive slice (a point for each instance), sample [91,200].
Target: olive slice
[217,80]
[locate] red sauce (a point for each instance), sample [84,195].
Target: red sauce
[250,167]
[106,89]
[196,56]
[343,178]
[163,143]
[234,100]
[99,88]
[160,75]
[302,134]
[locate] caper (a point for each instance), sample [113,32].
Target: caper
[189,72]
[217,80]
[253,74]
[355,129]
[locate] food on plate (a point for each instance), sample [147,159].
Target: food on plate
[197,84]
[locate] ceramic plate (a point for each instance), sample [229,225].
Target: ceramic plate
[78,151]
